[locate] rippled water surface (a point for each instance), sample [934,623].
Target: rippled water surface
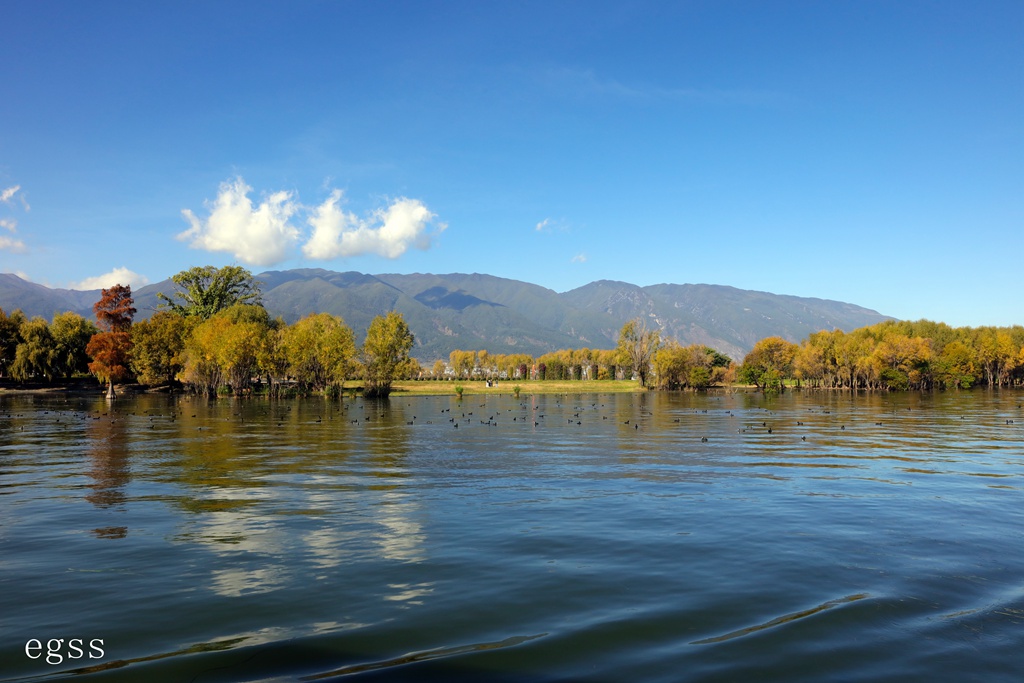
[582,537]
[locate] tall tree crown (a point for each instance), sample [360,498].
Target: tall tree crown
[637,346]
[115,309]
[204,290]
[386,352]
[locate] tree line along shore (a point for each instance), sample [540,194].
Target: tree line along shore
[213,336]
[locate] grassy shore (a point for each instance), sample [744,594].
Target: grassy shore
[508,387]
[89,386]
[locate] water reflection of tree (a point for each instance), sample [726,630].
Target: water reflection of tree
[400,535]
[108,441]
[273,488]
[238,448]
[208,458]
[629,411]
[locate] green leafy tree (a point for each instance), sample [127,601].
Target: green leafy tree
[227,349]
[695,366]
[36,355]
[320,351]
[699,377]
[238,352]
[768,363]
[270,356]
[956,366]
[71,334]
[202,369]
[158,347]
[637,346]
[386,353]
[202,291]
[10,337]
[555,367]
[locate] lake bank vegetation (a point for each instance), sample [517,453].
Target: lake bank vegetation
[214,337]
[898,355]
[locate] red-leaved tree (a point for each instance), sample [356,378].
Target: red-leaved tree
[110,348]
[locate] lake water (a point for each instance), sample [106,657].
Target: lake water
[581,537]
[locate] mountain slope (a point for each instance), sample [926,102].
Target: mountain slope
[34,299]
[477,311]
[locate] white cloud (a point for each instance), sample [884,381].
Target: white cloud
[7,195]
[265,235]
[579,258]
[259,236]
[13,245]
[330,222]
[388,232]
[118,276]
[553,225]
[11,225]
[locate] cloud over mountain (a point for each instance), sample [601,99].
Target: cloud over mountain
[388,232]
[260,235]
[118,276]
[265,234]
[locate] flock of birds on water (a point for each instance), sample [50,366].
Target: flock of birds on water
[280,414]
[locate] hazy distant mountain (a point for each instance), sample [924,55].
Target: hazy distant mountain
[35,299]
[460,311]
[725,318]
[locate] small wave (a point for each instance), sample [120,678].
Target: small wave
[423,656]
[214,646]
[778,621]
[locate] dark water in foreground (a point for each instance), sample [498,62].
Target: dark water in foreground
[308,540]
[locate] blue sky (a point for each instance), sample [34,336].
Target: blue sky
[870,152]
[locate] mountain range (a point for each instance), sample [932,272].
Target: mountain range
[474,311]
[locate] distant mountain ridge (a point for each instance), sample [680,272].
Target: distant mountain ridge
[475,311]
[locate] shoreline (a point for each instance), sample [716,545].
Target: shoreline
[90,387]
[87,387]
